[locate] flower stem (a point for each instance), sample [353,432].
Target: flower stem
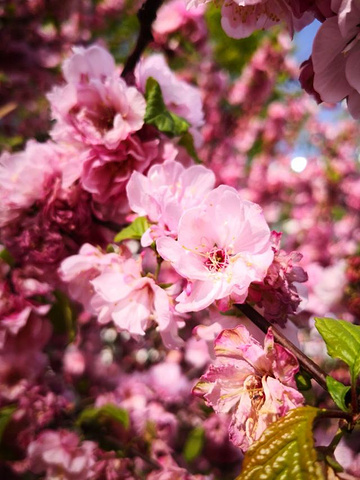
[305,362]
[146,16]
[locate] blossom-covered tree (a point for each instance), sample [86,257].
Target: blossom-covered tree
[179,249]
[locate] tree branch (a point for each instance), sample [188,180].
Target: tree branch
[305,362]
[146,16]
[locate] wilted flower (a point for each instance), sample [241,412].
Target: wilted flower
[255,384]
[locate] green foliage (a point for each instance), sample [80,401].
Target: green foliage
[194,444]
[303,381]
[338,392]
[187,142]
[158,115]
[5,417]
[104,414]
[6,257]
[62,316]
[6,452]
[343,341]
[230,53]
[134,231]
[285,450]
[120,34]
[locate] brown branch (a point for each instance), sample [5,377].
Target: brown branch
[305,362]
[146,16]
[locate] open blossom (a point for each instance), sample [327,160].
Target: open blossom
[240,18]
[255,384]
[223,245]
[165,193]
[59,455]
[95,107]
[134,302]
[78,270]
[336,54]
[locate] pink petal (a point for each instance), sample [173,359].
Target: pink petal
[329,62]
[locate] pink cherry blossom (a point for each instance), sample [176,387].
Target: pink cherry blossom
[240,18]
[336,54]
[95,107]
[59,455]
[173,15]
[134,302]
[256,385]
[78,270]
[223,245]
[278,294]
[106,173]
[24,177]
[165,193]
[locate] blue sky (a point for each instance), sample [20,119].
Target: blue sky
[304,40]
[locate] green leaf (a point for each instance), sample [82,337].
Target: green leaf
[5,417]
[231,54]
[158,115]
[303,381]
[6,256]
[285,450]
[343,341]
[62,316]
[133,231]
[194,444]
[338,392]
[187,142]
[106,412]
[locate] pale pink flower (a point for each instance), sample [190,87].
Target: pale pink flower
[336,54]
[59,455]
[90,63]
[95,107]
[165,193]
[173,15]
[255,384]
[134,302]
[78,270]
[326,287]
[223,245]
[240,18]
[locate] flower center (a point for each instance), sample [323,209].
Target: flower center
[253,385]
[217,259]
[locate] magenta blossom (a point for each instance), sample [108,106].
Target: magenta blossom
[223,245]
[255,384]
[24,178]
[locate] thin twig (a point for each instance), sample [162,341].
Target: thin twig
[146,16]
[305,362]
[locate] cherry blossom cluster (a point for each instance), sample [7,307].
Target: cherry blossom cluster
[125,261]
[330,74]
